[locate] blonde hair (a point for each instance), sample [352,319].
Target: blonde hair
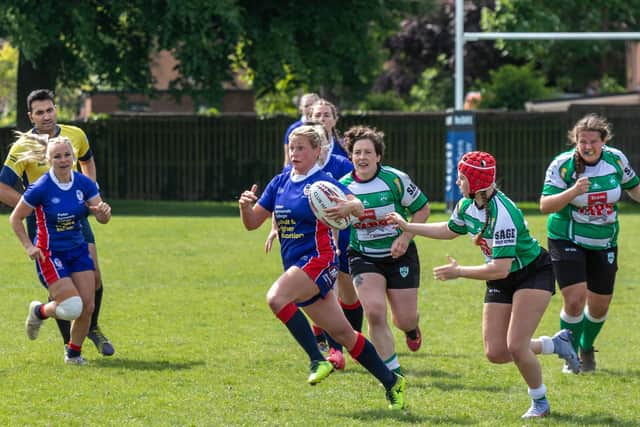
[310,132]
[589,123]
[37,146]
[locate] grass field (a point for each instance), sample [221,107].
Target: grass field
[197,345]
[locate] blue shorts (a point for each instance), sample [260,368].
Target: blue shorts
[323,274]
[60,264]
[87,232]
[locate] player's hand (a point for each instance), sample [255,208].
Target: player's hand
[399,246]
[102,212]
[447,271]
[396,220]
[582,185]
[342,209]
[248,197]
[101,209]
[35,253]
[269,242]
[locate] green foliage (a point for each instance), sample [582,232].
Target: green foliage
[8,73]
[570,65]
[610,85]
[334,47]
[196,344]
[434,89]
[280,98]
[108,44]
[388,101]
[510,86]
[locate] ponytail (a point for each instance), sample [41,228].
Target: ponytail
[487,217]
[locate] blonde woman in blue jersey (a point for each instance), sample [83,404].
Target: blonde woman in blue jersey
[581,191]
[43,114]
[336,167]
[60,199]
[383,261]
[310,264]
[517,271]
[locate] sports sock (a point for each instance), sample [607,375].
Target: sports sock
[591,329]
[538,393]
[354,314]
[96,308]
[65,329]
[39,312]
[332,343]
[365,353]
[73,350]
[318,332]
[574,324]
[298,325]
[392,362]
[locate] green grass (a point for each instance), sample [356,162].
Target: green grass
[197,345]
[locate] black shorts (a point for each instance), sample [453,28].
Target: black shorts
[574,264]
[537,275]
[401,273]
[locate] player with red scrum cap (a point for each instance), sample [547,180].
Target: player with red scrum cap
[518,274]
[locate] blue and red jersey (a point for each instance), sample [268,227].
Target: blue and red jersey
[60,209]
[300,233]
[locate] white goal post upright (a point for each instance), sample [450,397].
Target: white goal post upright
[461,37]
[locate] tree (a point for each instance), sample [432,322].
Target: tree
[570,65]
[422,52]
[8,71]
[334,46]
[110,43]
[510,86]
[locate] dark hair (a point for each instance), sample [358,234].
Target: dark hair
[589,123]
[39,95]
[485,202]
[357,133]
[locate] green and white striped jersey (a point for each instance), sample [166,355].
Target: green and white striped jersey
[389,191]
[591,219]
[506,236]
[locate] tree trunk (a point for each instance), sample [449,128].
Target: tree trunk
[39,73]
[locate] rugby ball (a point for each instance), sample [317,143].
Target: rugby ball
[320,194]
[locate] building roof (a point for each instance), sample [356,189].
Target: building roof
[562,104]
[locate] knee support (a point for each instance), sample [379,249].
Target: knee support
[69,309]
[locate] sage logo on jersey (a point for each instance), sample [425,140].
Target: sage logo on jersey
[505,236]
[404,271]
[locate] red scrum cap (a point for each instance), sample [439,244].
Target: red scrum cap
[480,170]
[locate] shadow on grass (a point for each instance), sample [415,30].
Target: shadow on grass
[406,417]
[433,373]
[465,386]
[618,372]
[146,365]
[591,419]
